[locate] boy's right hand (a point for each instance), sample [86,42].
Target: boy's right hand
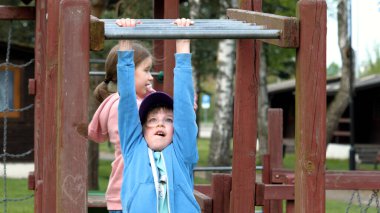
[183,45]
[126,22]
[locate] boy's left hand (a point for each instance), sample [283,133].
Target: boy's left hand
[126,22]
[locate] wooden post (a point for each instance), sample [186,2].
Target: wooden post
[62,63]
[39,107]
[266,180]
[171,10]
[245,121]
[275,125]
[96,34]
[158,45]
[220,193]
[310,135]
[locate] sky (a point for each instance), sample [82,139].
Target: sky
[365,31]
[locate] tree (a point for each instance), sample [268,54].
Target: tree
[221,134]
[341,99]
[275,63]
[372,66]
[262,118]
[333,70]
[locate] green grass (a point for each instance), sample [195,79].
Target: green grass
[16,188]
[331,164]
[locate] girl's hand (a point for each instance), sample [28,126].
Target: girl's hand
[183,45]
[126,22]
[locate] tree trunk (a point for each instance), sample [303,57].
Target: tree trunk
[222,128]
[341,100]
[194,10]
[263,107]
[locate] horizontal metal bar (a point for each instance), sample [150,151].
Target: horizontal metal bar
[97,61]
[217,168]
[172,20]
[192,34]
[202,29]
[103,73]
[196,24]
[97,73]
[174,27]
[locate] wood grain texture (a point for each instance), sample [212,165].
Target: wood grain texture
[96,34]
[72,97]
[310,135]
[245,120]
[17,13]
[275,131]
[288,25]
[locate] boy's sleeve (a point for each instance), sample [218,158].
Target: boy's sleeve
[128,117]
[185,127]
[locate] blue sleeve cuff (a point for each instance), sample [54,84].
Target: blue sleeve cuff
[183,60]
[125,57]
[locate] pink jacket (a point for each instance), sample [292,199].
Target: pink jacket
[103,127]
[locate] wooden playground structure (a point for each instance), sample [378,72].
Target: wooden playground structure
[64,36]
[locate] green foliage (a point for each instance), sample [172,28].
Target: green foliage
[205,50]
[280,61]
[134,9]
[372,66]
[333,70]
[22,32]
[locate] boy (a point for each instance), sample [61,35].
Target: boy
[158,142]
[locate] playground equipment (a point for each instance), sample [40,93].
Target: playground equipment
[62,47]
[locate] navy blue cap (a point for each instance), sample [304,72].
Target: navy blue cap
[152,101]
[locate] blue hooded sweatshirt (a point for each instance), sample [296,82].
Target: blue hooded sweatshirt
[138,193]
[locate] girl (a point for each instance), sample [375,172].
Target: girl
[104,127]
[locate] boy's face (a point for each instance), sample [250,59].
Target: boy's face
[158,129]
[143,78]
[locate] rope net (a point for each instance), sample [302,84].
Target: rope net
[356,199]
[6,108]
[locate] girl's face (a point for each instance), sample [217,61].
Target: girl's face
[143,78]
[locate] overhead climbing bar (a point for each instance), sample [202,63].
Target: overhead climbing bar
[278,30]
[202,29]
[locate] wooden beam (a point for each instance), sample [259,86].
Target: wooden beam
[265,192]
[17,13]
[171,11]
[336,180]
[310,134]
[289,36]
[61,70]
[364,180]
[278,192]
[221,190]
[275,125]
[204,201]
[96,34]
[245,120]
[72,111]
